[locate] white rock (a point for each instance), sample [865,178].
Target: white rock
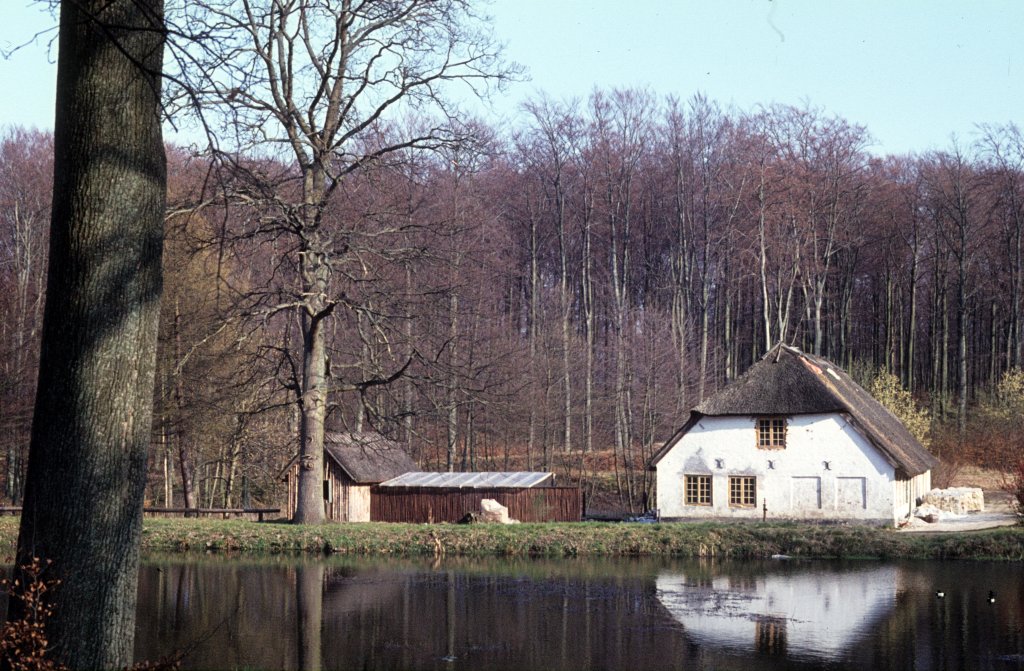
[492,511]
[932,513]
[956,500]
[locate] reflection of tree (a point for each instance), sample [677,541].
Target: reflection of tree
[309,604]
[366,614]
[961,630]
[364,611]
[450,617]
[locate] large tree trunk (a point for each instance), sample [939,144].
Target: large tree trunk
[315,271]
[93,412]
[309,509]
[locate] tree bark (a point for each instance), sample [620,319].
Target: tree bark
[93,412]
[309,509]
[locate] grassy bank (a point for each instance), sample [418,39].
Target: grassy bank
[588,539]
[704,539]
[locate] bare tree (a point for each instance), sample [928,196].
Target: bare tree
[322,87]
[1003,150]
[952,182]
[548,151]
[26,171]
[621,135]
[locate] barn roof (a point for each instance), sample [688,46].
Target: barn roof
[367,457]
[787,381]
[478,480]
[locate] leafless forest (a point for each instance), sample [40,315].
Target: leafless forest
[553,293]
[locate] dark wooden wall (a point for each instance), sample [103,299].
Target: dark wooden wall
[450,504]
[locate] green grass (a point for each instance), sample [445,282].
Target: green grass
[588,539]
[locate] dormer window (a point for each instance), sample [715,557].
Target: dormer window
[771,433]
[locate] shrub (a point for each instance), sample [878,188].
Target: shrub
[23,643]
[888,391]
[950,464]
[997,428]
[1014,485]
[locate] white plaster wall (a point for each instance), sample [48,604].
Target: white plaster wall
[858,483]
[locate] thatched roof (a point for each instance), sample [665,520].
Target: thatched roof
[367,457]
[787,381]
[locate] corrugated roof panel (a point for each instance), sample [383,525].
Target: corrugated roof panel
[475,480]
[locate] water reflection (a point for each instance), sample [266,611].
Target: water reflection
[644,614]
[309,602]
[786,611]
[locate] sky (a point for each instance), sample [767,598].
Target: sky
[914,72]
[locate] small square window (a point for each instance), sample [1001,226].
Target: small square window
[771,433]
[698,490]
[743,490]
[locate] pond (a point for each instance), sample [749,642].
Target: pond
[581,614]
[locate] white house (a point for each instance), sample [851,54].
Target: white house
[793,437]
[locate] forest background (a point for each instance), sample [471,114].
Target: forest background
[556,294]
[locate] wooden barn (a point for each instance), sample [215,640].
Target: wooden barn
[353,464]
[793,437]
[447,497]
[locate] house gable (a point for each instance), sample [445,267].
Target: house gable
[826,470]
[788,382]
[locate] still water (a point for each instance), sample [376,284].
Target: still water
[581,614]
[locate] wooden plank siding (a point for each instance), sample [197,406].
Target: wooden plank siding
[345,502]
[443,504]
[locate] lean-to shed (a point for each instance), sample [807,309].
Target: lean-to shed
[793,437]
[353,463]
[447,497]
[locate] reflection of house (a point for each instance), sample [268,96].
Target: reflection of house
[447,497]
[816,613]
[353,463]
[793,437]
